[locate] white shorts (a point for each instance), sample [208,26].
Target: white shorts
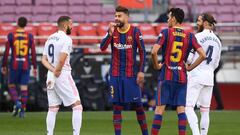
[198,94]
[64,91]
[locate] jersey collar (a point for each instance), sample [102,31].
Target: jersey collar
[61,32]
[123,32]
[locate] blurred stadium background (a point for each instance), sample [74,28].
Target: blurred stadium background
[90,66]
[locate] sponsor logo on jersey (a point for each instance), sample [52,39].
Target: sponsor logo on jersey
[129,38]
[122,46]
[174,67]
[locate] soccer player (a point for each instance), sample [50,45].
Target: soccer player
[60,84]
[20,42]
[125,73]
[176,44]
[200,80]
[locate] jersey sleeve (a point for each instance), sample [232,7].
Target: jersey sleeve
[33,51]
[45,50]
[7,49]
[105,42]
[67,47]
[141,50]
[161,38]
[194,42]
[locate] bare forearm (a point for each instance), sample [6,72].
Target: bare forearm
[47,65]
[59,66]
[155,60]
[202,57]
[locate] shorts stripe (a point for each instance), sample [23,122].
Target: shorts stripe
[72,85]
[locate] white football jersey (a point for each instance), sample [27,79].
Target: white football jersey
[211,44]
[57,43]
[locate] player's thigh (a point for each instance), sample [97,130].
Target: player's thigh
[131,90]
[66,89]
[13,77]
[163,93]
[24,78]
[53,98]
[193,91]
[205,96]
[180,93]
[114,89]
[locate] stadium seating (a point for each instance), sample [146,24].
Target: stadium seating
[4,30]
[148,32]
[74,34]
[59,2]
[24,2]
[87,29]
[43,2]
[40,18]
[76,2]
[102,29]
[45,29]
[8,2]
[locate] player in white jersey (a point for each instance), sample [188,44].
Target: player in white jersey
[200,79]
[60,85]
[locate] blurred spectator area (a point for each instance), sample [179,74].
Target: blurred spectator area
[88,11]
[89,35]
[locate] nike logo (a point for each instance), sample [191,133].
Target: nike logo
[135,98]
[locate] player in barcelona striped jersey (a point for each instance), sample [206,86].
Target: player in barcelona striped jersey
[176,44]
[22,46]
[125,74]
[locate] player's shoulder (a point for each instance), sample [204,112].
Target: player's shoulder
[163,32]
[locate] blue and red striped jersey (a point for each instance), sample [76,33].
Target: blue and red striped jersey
[20,43]
[124,46]
[176,45]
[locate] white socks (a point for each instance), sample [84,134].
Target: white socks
[192,120]
[204,124]
[77,119]
[50,120]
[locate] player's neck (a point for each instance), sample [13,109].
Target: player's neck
[20,28]
[59,29]
[124,28]
[177,25]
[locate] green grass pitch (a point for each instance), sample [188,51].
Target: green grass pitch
[100,123]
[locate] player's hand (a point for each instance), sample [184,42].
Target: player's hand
[140,78]
[4,70]
[57,73]
[35,73]
[111,28]
[159,66]
[188,68]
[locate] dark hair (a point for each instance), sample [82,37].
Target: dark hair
[209,18]
[22,22]
[122,9]
[178,13]
[62,19]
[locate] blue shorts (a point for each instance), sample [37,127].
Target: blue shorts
[171,93]
[124,90]
[19,76]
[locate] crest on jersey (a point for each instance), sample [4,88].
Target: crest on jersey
[129,38]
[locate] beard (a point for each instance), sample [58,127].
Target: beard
[200,28]
[119,24]
[69,31]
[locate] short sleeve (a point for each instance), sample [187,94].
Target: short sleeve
[45,50]
[67,47]
[194,42]
[161,38]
